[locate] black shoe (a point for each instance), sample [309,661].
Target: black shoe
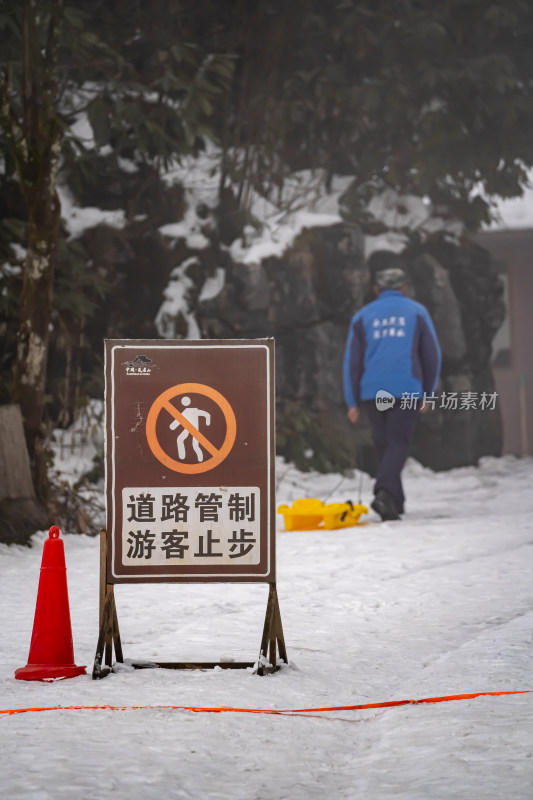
[384,505]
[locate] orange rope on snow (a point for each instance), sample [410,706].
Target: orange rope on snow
[276,712]
[391,703]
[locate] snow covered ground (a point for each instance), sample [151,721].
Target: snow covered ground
[440,603]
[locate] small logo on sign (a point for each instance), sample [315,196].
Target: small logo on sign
[140,365]
[384,400]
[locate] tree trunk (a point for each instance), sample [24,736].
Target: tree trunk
[36,309]
[20,514]
[36,136]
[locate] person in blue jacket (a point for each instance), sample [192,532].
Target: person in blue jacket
[391,363]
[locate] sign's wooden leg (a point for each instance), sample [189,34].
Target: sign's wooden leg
[273,640]
[116,634]
[279,632]
[109,636]
[103,573]
[109,630]
[101,648]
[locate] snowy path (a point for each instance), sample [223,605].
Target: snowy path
[440,603]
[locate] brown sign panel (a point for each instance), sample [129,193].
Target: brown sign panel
[190,460]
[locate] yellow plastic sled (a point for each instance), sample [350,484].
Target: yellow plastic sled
[312,514]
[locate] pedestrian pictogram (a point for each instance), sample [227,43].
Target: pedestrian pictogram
[193,415]
[176,406]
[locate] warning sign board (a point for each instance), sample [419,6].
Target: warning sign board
[190,460]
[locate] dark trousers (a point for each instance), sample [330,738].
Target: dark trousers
[392,431]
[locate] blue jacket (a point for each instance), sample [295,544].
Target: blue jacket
[392,345]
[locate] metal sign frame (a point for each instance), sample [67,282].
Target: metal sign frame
[227,385]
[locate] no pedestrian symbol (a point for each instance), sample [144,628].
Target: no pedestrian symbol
[187,421]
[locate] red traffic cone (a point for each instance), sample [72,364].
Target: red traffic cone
[51,651]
